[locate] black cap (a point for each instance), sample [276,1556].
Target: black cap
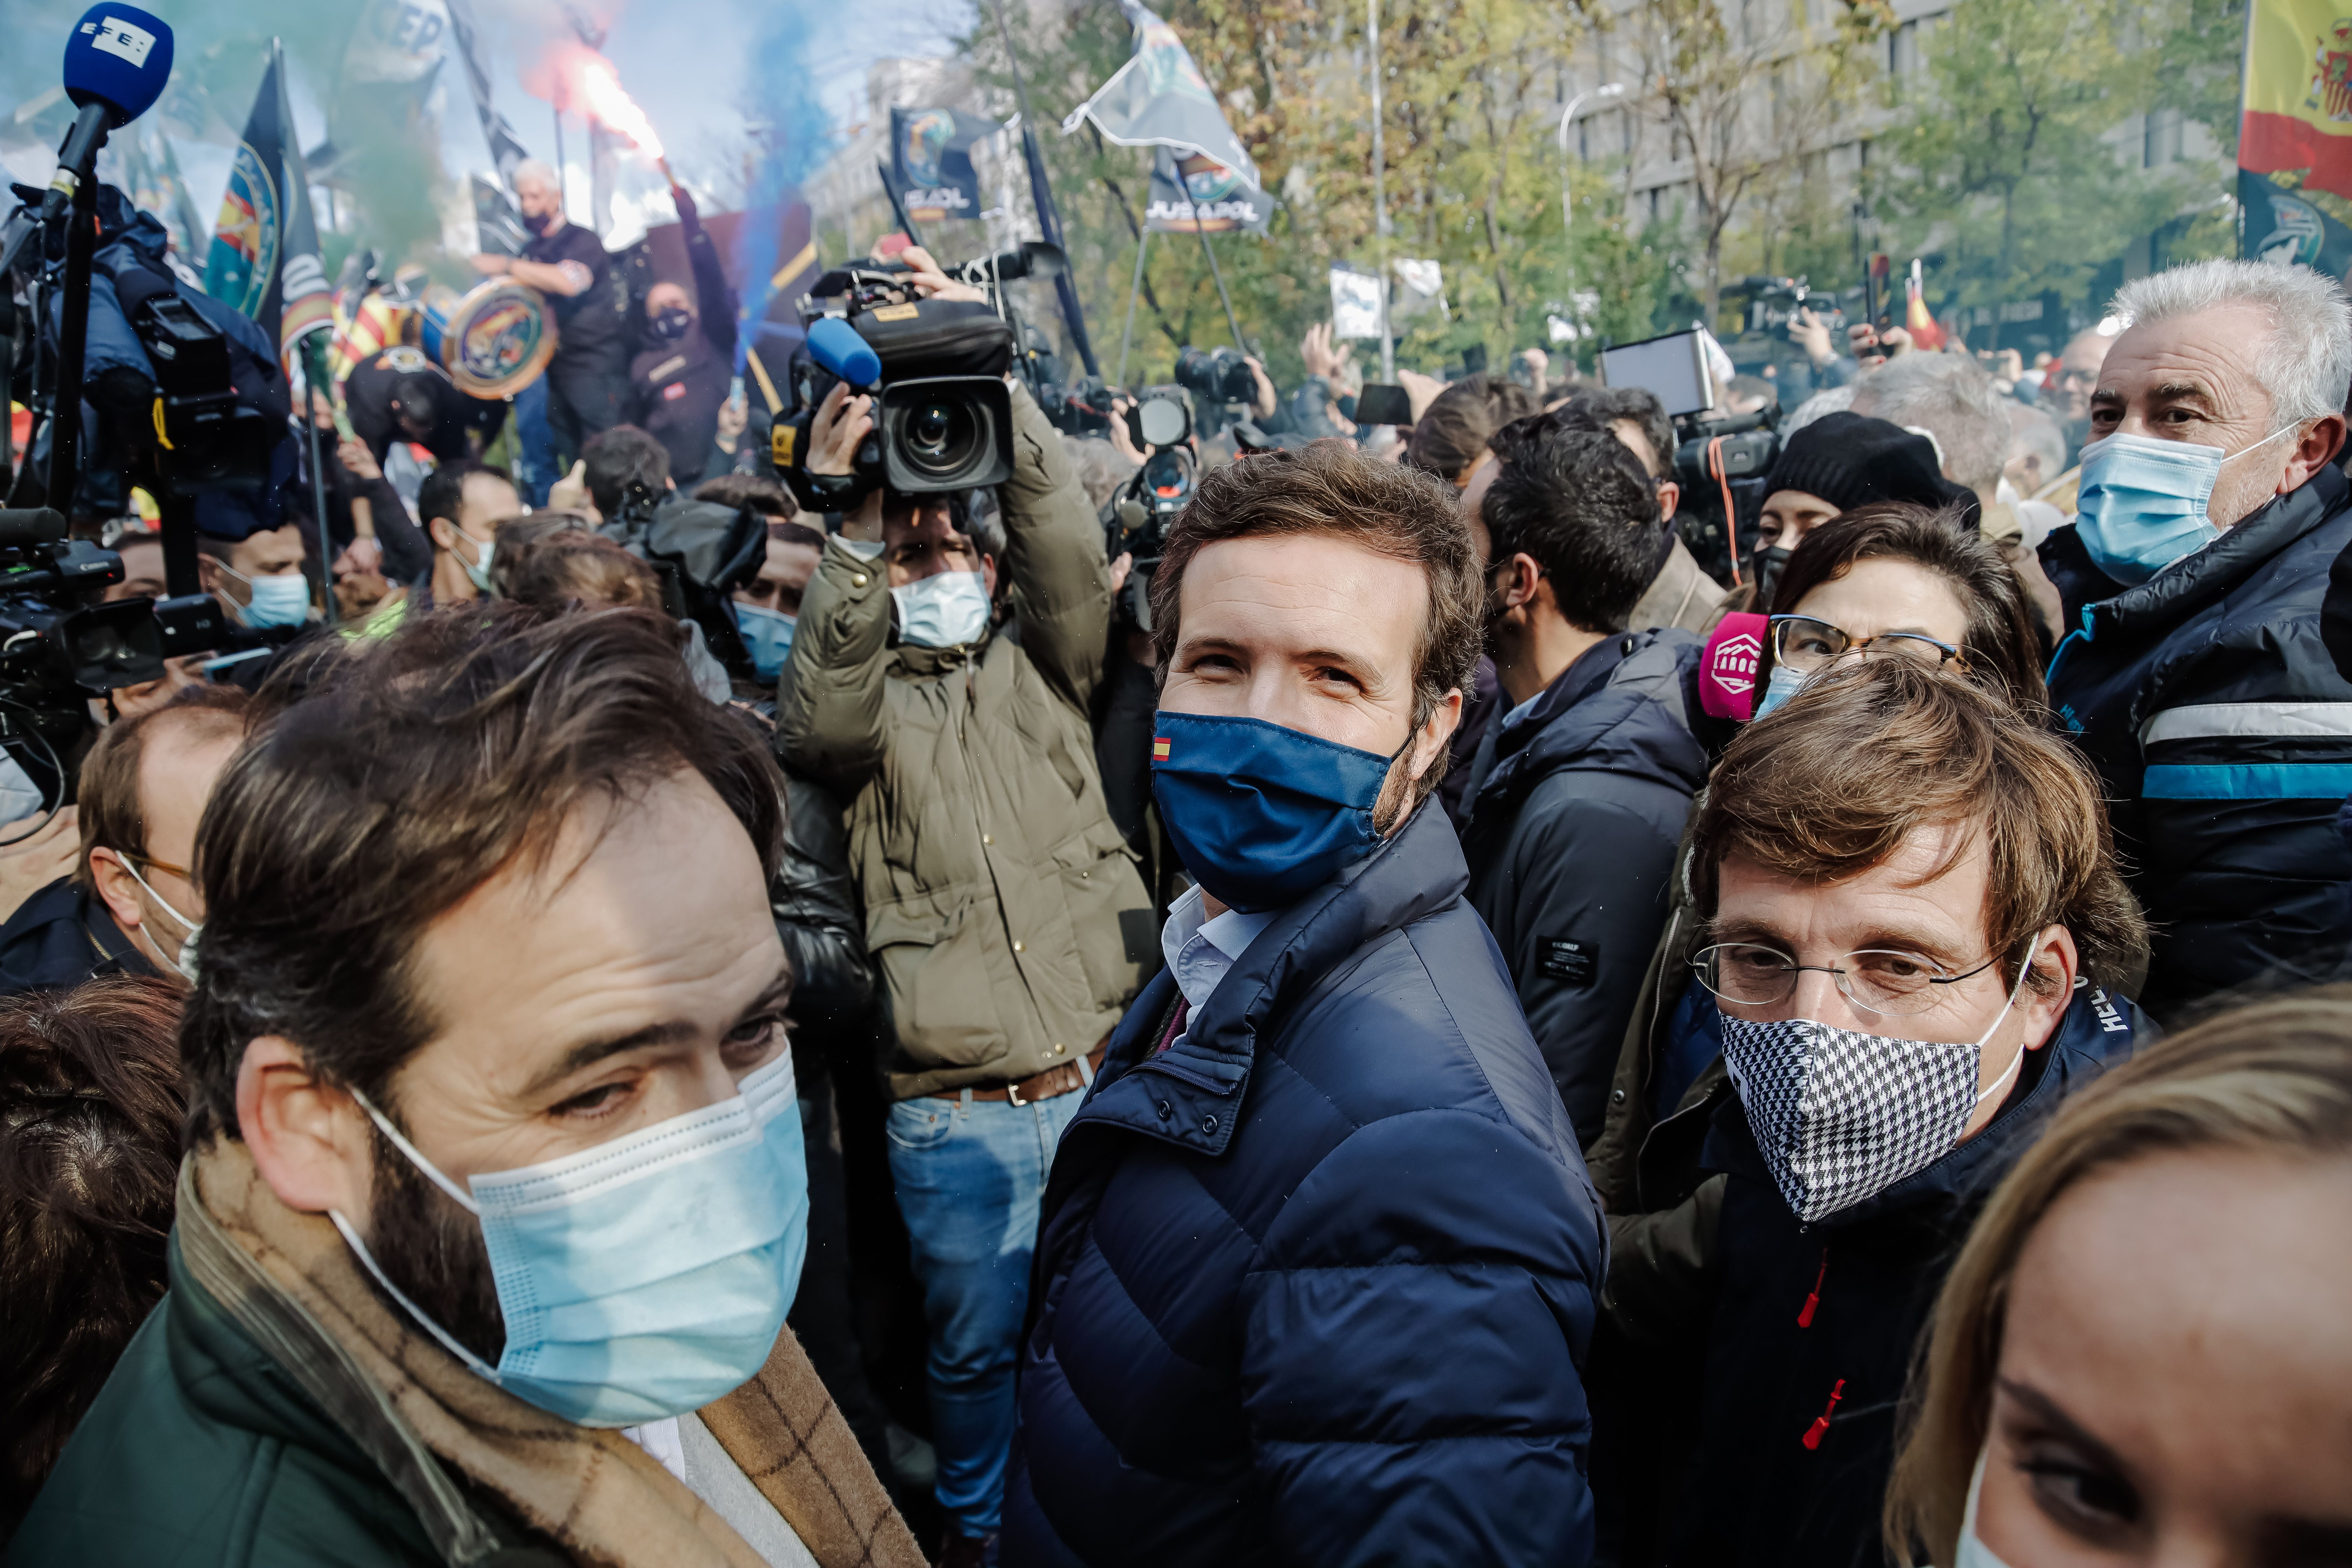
[1851,459]
[418,395]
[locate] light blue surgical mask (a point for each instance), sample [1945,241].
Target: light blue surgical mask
[946,609]
[478,572]
[280,600]
[769,635]
[1973,1553]
[2142,501]
[646,1277]
[1784,684]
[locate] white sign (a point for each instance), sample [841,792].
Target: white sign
[1355,303]
[125,39]
[1421,287]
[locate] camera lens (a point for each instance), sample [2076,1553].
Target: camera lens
[939,437]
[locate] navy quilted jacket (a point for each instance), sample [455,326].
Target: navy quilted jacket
[1314,1286]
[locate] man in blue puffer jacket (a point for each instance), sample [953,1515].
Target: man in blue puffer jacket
[2196,677]
[1316,1275]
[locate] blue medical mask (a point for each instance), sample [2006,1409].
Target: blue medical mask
[946,609]
[1784,684]
[283,600]
[768,634]
[1260,815]
[646,1277]
[2142,501]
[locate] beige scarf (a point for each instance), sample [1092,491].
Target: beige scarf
[290,1282]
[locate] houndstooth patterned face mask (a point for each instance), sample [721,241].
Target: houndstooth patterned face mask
[1840,1116]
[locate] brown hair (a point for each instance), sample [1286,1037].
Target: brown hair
[401,779]
[1456,428]
[570,569]
[90,1104]
[112,815]
[2274,1077]
[1832,783]
[2002,650]
[1329,487]
[763,495]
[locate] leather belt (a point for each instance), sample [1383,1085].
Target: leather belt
[1051,1084]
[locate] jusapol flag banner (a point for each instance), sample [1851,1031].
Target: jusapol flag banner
[1159,99]
[2294,137]
[931,162]
[265,250]
[1192,191]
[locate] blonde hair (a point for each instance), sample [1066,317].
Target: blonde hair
[2272,1076]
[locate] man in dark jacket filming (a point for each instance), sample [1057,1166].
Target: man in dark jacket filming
[2194,674]
[1317,1263]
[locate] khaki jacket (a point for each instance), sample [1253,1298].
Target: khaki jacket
[1681,594]
[1003,905]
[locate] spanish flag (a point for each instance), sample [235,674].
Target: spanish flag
[1159,749]
[2294,135]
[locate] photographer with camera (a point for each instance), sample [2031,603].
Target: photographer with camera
[1001,902]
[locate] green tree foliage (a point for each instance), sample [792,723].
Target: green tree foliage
[2007,156]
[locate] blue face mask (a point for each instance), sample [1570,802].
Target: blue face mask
[646,1277]
[1784,684]
[1260,815]
[946,609]
[769,635]
[2142,501]
[283,600]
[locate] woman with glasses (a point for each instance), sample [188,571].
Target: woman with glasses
[1901,581]
[1909,921]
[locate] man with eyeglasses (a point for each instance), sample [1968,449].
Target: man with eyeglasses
[1913,921]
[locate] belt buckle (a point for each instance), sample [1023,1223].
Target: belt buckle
[1012,1093]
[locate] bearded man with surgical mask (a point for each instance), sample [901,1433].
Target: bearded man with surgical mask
[1913,926]
[2193,672]
[494,1199]
[1002,903]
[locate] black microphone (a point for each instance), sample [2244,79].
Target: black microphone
[34,525]
[81,143]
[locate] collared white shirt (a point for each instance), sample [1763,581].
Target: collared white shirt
[1201,949]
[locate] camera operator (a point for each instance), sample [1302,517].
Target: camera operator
[1007,917]
[128,907]
[681,380]
[587,381]
[398,394]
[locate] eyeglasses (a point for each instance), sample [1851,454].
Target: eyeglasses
[1804,645]
[1877,980]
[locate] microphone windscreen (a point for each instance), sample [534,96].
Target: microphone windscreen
[836,345]
[119,56]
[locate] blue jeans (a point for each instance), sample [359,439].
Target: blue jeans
[534,445]
[970,1175]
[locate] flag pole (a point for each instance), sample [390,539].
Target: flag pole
[897,207]
[1041,194]
[1381,198]
[1239,342]
[314,367]
[1142,242]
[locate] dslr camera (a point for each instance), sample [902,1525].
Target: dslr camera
[1137,519]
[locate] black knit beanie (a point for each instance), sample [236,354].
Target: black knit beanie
[1851,459]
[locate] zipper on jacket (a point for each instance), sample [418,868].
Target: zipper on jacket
[1805,1313]
[1813,1433]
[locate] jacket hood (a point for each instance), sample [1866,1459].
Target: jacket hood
[1633,720]
[2099,1030]
[2181,591]
[1415,874]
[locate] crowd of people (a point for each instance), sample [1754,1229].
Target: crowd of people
[1418,1024]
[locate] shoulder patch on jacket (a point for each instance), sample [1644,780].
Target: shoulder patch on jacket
[1573,962]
